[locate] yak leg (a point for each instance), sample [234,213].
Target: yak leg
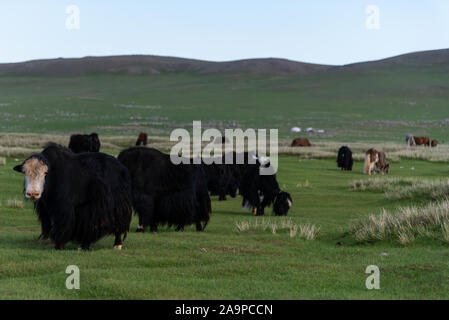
[118,241]
[59,246]
[179,228]
[260,211]
[85,246]
[199,227]
[153,227]
[140,227]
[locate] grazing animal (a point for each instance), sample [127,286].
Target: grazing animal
[301,142]
[220,179]
[410,140]
[371,158]
[142,140]
[434,143]
[259,191]
[422,141]
[344,159]
[165,193]
[80,143]
[382,164]
[78,197]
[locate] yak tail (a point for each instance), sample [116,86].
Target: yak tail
[367,165]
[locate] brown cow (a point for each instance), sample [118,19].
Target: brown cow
[434,142]
[422,141]
[301,142]
[142,139]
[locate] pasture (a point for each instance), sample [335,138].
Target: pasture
[225,263]
[381,104]
[239,256]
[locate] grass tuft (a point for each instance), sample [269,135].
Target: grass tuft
[405,188]
[405,225]
[15,204]
[306,231]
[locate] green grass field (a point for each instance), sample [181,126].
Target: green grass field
[222,263]
[383,104]
[380,105]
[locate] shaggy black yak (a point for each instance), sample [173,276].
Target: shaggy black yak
[165,193]
[259,191]
[84,143]
[220,178]
[142,139]
[78,197]
[344,159]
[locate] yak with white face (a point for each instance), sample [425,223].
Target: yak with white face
[35,170]
[78,197]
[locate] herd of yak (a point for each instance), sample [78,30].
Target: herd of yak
[81,194]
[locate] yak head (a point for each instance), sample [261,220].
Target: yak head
[282,203]
[35,169]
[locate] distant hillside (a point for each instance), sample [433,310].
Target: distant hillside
[140,64]
[414,59]
[146,64]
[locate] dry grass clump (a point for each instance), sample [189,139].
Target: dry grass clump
[15,204]
[18,144]
[405,225]
[405,188]
[303,231]
[2,161]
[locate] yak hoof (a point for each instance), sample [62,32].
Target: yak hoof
[118,247]
[140,229]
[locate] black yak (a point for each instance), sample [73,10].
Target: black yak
[220,178]
[344,159]
[165,193]
[78,197]
[84,143]
[258,190]
[142,139]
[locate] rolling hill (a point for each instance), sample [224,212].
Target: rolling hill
[379,100]
[139,64]
[149,64]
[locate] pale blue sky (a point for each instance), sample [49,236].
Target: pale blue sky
[319,31]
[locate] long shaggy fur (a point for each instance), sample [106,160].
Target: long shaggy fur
[381,165]
[371,158]
[220,178]
[259,191]
[84,143]
[86,197]
[344,159]
[165,193]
